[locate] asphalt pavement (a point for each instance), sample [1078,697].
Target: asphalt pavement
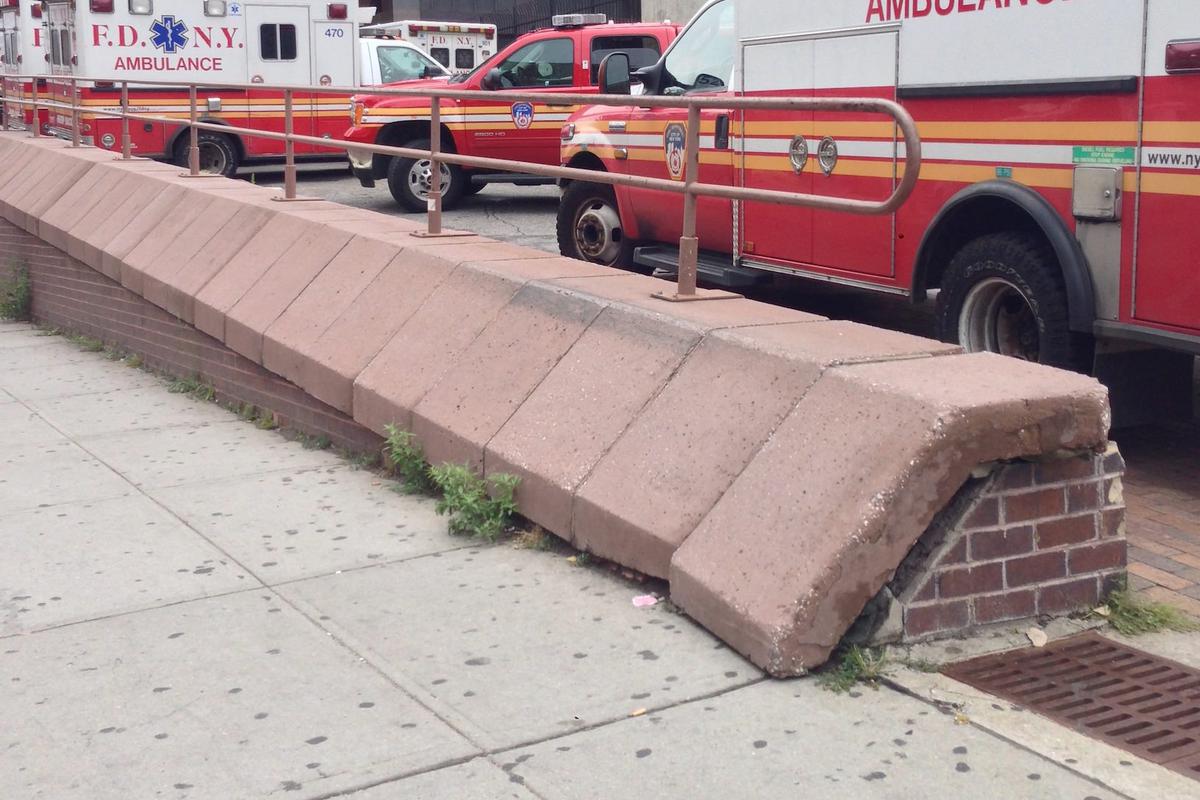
[192,607]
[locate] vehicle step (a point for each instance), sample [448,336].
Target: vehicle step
[712,269]
[515,178]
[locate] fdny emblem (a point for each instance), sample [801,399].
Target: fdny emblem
[168,35]
[675,144]
[522,115]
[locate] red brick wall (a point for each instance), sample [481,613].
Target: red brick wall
[1033,540]
[70,295]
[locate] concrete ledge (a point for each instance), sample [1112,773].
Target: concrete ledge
[777,467]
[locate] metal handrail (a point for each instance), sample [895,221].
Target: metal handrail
[690,187]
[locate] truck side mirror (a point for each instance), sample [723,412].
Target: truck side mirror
[613,75]
[491,81]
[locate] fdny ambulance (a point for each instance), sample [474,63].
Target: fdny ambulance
[457,46]
[272,42]
[1058,200]
[563,59]
[22,54]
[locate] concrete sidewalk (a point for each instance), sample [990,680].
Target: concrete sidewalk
[191,607]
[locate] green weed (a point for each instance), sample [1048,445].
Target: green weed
[536,538]
[477,507]
[16,296]
[1133,615]
[857,666]
[313,442]
[194,386]
[266,421]
[87,344]
[406,459]
[134,361]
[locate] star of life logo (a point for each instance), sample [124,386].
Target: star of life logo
[522,114]
[168,34]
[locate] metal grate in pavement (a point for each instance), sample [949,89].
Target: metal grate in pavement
[1136,701]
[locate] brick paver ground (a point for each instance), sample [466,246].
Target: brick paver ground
[1162,490]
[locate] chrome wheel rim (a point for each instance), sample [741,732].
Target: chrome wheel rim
[598,232]
[997,318]
[420,178]
[212,158]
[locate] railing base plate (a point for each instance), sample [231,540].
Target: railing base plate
[278,199]
[201,175]
[700,295]
[450,235]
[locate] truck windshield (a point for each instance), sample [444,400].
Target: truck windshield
[702,58]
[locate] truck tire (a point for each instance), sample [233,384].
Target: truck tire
[409,180]
[218,153]
[1003,293]
[589,226]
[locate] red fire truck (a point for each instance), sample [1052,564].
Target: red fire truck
[273,42]
[1057,206]
[21,47]
[562,59]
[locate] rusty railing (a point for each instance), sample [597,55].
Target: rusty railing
[690,186]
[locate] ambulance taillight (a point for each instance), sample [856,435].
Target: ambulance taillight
[101,6]
[36,10]
[337,10]
[1183,56]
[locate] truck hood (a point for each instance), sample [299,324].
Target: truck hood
[371,100]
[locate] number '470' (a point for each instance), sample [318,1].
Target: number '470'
[335,33]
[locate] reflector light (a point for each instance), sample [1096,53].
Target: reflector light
[1183,56]
[214,8]
[141,7]
[337,10]
[36,11]
[101,6]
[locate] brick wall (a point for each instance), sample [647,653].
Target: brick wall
[70,295]
[1026,540]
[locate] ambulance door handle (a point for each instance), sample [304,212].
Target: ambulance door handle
[721,138]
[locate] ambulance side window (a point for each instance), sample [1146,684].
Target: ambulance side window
[702,57]
[464,58]
[441,55]
[64,47]
[277,42]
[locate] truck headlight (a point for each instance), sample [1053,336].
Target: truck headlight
[356,113]
[568,132]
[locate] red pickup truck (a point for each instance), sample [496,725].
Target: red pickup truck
[563,59]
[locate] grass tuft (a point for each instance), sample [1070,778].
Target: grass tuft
[858,665]
[87,344]
[477,506]
[1133,615]
[193,386]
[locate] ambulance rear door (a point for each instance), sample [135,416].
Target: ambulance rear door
[278,38]
[1166,284]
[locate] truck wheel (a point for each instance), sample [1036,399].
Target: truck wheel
[218,154]
[1002,293]
[411,179]
[589,226]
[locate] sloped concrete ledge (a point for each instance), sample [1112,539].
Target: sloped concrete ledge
[776,467]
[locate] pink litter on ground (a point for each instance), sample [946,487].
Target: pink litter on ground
[645,600]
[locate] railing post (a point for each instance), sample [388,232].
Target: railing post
[37,128]
[193,135]
[435,167]
[74,112]
[289,149]
[4,101]
[126,142]
[689,244]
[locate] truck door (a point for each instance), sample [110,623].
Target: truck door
[1166,285]
[699,64]
[280,54]
[841,155]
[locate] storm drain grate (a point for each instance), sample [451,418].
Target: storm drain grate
[1143,704]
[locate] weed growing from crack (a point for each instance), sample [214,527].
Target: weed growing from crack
[858,665]
[193,386]
[403,454]
[16,295]
[87,344]
[1133,615]
[480,507]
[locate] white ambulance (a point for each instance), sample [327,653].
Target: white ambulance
[458,46]
[269,42]
[21,54]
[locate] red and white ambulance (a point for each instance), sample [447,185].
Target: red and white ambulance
[1057,207]
[272,42]
[457,46]
[22,54]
